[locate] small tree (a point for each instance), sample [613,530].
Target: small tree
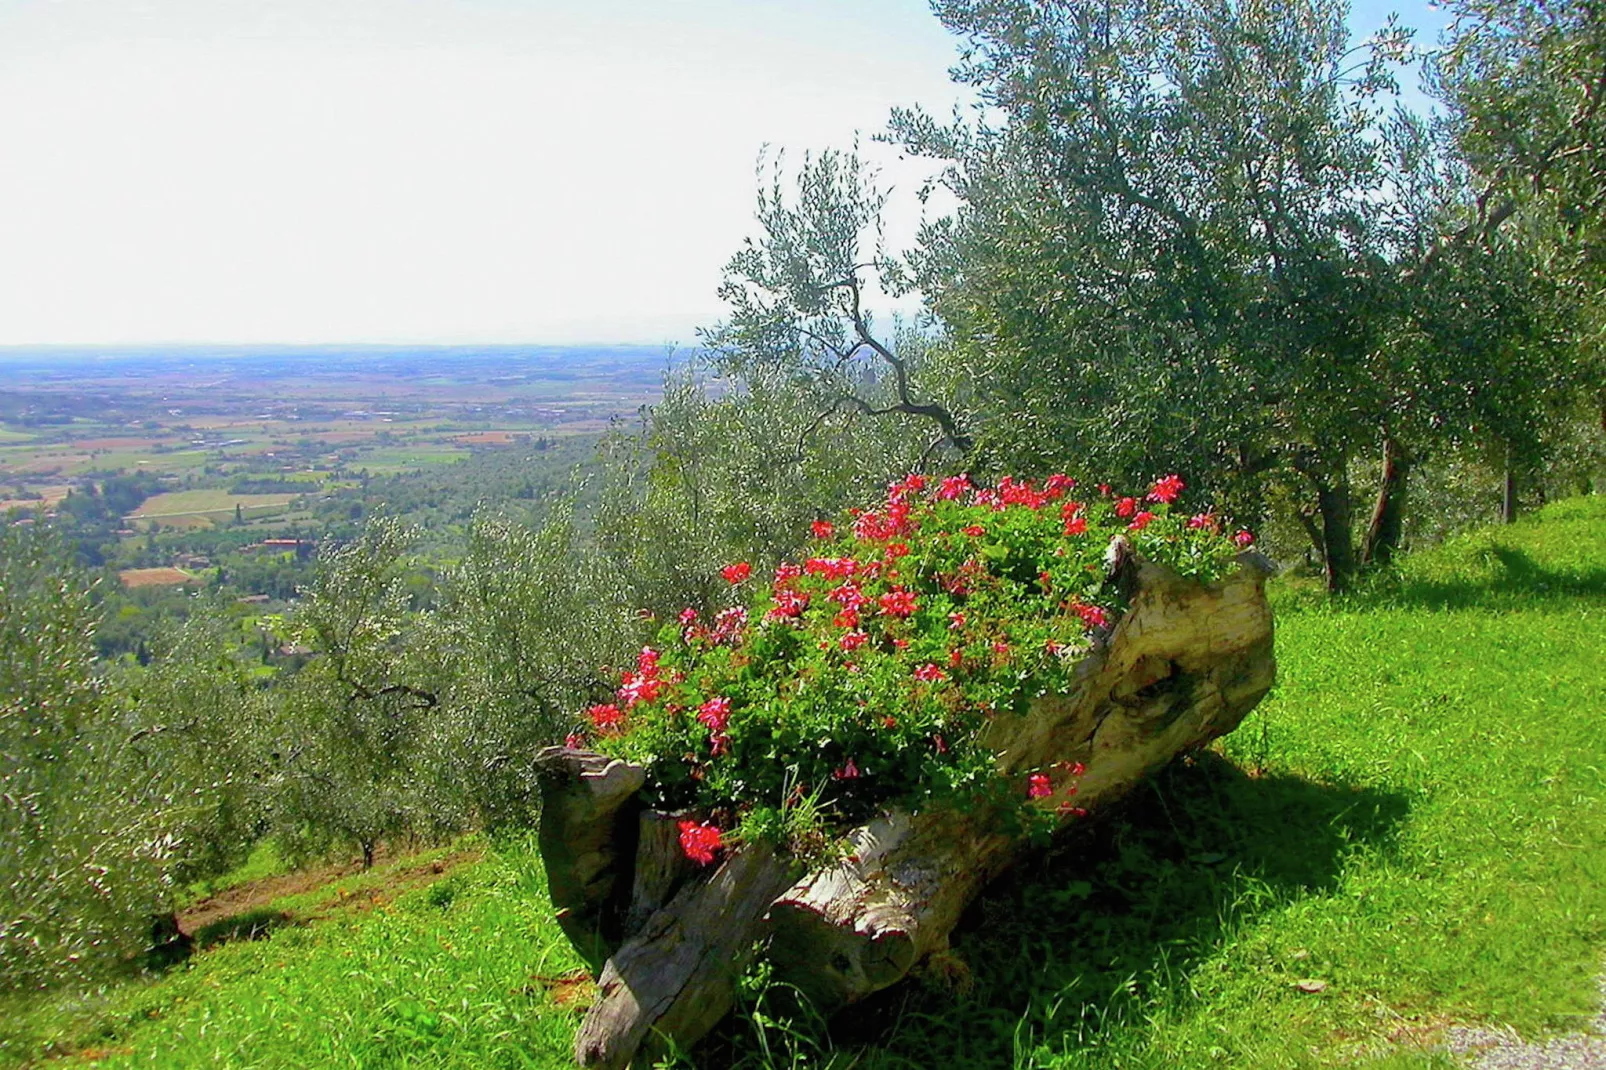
[799,297]
[358,722]
[114,795]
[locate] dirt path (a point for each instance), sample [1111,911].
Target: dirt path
[1503,1049]
[393,874]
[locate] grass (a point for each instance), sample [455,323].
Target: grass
[470,976]
[1408,834]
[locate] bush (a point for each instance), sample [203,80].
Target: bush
[867,675]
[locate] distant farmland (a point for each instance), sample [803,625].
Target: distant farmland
[208,503]
[155,577]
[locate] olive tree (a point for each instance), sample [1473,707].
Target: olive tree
[119,785]
[1171,250]
[356,724]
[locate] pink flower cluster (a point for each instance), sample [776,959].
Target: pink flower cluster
[643,685]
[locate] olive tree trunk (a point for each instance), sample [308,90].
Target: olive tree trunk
[1182,667]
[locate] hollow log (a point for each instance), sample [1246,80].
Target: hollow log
[588,821]
[1183,666]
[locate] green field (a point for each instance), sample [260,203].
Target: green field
[1409,834]
[396,458]
[203,502]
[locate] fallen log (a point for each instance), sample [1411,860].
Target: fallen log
[1182,666]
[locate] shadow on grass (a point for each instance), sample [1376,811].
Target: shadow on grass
[1109,924]
[251,925]
[1511,577]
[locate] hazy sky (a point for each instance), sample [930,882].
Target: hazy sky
[419,170]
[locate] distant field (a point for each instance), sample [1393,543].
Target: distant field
[154,577]
[48,496]
[8,435]
[399,457]
[80,461]
[490,438]
[194,502]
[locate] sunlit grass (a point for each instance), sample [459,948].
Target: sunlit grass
[1409,833]
[458,977]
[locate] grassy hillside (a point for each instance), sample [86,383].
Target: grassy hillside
[1408,834]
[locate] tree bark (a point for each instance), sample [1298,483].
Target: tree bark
[675,979]
[1387,525]
[588,827]
[1508,497]
[1338,537]
[1183,665]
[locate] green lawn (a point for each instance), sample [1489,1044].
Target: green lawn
[1408,834]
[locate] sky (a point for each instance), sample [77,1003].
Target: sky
[425,171]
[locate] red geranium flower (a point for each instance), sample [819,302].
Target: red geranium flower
[847,772]
[789,605]
[699,841]
[638,688]
[898,603]
[953,488]
[853,640]
[607,717]
[1243,539]
[930,674]
[1058,483]
[1076,525]
[1125,507]
[728,625]
[975,531]
[714,714]
[822,529]
[1140,521]
[1092,616]
[736,573]
[1165,490]
[1038,786]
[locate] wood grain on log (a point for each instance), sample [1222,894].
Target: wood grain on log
[676,978]
[587,839]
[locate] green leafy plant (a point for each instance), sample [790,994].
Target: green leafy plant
[866,675]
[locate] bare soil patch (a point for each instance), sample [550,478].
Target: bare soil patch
[155,577]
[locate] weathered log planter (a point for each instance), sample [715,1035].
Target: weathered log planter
[667,939]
